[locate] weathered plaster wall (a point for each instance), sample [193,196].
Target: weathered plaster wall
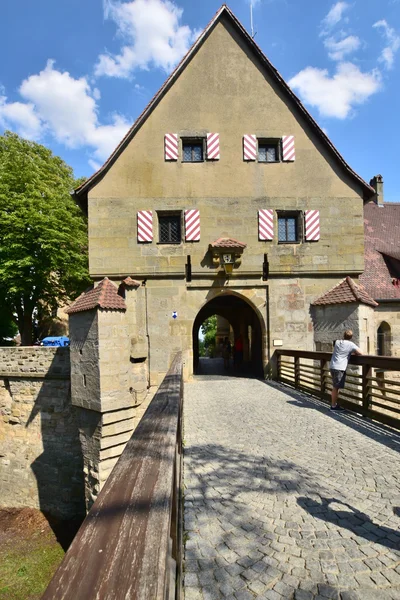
[40,454]
[330,322]
[213,95]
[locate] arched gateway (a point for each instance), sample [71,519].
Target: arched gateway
[244,320]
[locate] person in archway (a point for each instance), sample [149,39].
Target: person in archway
[226,353]
[238,354]
[342,351]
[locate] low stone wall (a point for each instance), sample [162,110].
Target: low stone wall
[40,454]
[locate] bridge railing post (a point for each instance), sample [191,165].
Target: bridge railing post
[366,388]
[296,371]
[323,378]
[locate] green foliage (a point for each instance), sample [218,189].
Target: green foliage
[43,239]
[209,331]
[8,329]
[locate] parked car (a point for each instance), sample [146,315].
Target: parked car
[61,340]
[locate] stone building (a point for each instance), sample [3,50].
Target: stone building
[225,197]
[381,277]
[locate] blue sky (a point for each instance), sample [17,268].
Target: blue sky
[76,74]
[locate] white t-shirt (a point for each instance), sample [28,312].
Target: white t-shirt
[341,354]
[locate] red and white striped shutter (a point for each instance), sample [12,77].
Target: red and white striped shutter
[213,146]
[249,147]
[192,225]
[171,146]
[145,226]
[288,153]
[266,224]
[312,225]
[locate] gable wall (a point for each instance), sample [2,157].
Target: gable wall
[222,90]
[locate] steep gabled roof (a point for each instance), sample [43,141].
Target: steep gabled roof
[382,250]
[345,292]
[105,295]
[223,12]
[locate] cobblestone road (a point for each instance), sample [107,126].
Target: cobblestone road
[284,499]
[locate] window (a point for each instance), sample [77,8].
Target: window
[193,150]
[384,340]
[288,227]
[268,151]
[169,228]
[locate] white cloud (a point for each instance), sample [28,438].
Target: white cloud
[153,36]
[393,41]
[65,108]
[20,115]
[334,16]
[336,96]
[338,49]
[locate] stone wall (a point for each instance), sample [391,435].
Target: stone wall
[390,313]
[40,455]
[330,323]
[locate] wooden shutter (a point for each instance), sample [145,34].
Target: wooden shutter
[192,225]
[145,226]
[171,146]
[249,147]
[288,152]
[312,225]
[213,146]
[266,224]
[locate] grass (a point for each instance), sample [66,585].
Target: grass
[27,567]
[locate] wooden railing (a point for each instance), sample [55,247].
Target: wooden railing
[129,545]
[372,382]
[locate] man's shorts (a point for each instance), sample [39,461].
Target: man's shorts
[338,379]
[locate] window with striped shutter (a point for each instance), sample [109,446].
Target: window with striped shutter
[266,224]
[312,228]
[288,152]
[192,225]
[145,226]
[249,147]
[171,146]
[213,146]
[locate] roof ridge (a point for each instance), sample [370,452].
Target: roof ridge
[175,74]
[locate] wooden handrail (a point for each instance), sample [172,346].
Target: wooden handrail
[129,544]
[359,400]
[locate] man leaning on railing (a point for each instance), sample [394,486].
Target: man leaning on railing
[340,358]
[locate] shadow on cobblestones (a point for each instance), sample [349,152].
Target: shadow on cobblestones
[346,516]
[380,433]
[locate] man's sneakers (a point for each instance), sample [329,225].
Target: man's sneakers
[337,408]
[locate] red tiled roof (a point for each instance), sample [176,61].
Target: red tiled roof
[346,291]
[227,243]
[129,282]
[105,295]
[81,191]
[382,250]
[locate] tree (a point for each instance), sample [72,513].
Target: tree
[43,233]
[209,331]
[8,329]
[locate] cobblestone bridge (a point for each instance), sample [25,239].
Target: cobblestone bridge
[284,499]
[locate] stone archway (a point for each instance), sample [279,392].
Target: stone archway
[244,320]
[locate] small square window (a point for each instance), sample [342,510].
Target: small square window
[268,151]
[289,227]
[192,150]
[169,228]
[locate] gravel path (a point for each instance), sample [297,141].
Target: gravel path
[285,500]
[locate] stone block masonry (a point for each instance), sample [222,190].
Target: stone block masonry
[40,454]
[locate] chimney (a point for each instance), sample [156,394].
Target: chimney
[377,183]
